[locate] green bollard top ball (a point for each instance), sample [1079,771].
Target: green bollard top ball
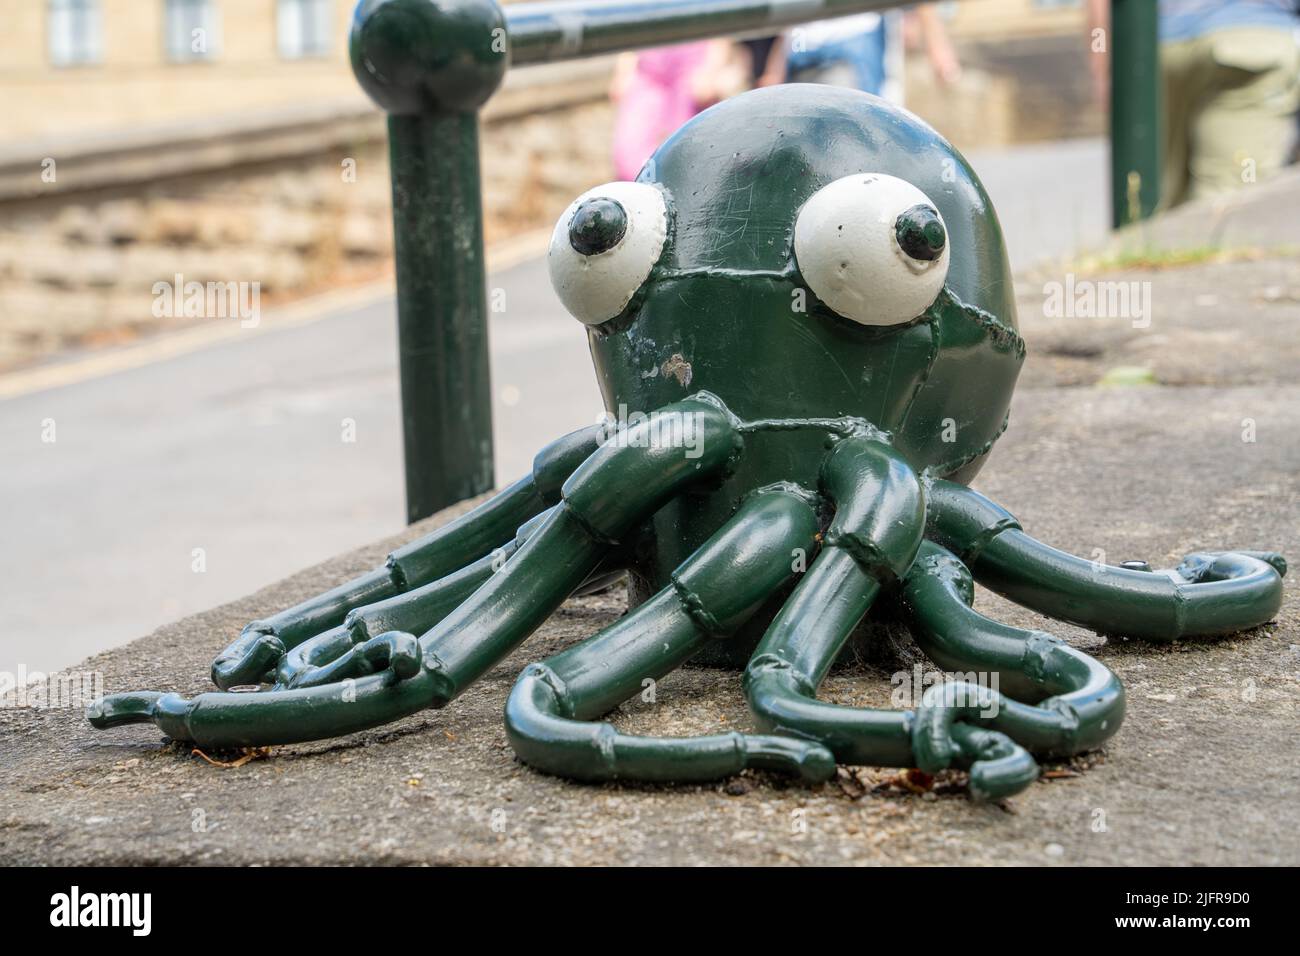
[428,56]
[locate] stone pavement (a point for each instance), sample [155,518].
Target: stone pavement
[1204,771]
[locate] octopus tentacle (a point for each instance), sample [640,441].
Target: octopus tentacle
[1208,594]
[872,541]
[413,612]
[617,486]
[250,658]
[416,611]
[998,766]
[394,651]
[1072,703]
[873,537]
[549,715]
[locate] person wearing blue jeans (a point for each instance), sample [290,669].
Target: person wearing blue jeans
[857,51]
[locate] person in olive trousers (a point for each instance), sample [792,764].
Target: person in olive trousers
[1231,86]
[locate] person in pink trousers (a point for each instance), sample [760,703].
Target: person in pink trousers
[658,90]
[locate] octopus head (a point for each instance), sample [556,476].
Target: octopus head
[803,253]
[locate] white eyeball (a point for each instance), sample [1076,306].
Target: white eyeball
[604,247]
[872,247]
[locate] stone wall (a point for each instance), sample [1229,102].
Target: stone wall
[78,266]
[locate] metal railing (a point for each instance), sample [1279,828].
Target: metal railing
[432,64]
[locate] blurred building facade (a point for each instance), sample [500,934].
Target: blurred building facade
[996,19]
[90,65]
[99,64]
[1025,75]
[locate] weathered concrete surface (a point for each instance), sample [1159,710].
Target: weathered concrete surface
[1228,321]
[1205,769]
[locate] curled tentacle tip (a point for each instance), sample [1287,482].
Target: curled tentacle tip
[808,760]
[999,767]
[118,709]
[992,780]
[405,657]
[932,751]
[247,660]
[1204,566]
[816,764]
[1277,561]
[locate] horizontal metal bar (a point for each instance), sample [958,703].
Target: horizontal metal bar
[570,29]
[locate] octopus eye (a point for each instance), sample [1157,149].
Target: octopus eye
[920,233]
[873,248]
[604,247]
[597,226]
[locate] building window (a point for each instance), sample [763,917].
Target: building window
[76,32]
[304,28]
[192,30]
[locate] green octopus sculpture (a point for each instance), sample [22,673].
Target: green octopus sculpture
[803,326]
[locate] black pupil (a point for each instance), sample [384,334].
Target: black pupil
[920,233]
[597,226]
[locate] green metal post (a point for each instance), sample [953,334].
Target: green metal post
[1135,113]
[431,64]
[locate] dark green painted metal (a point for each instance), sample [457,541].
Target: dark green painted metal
[412,612]
[549,713]
[604,499]
[1079,703]
[872,490]
[409,611]
[760,401]
[419,610]
[547,32]
[441,299]
[871,542]
[253,655]
[1208,594]
[719,309]
[312,653]
[427,57]
[431,64]
[394,651]
[1135,113]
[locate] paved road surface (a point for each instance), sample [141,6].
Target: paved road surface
[238,450]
